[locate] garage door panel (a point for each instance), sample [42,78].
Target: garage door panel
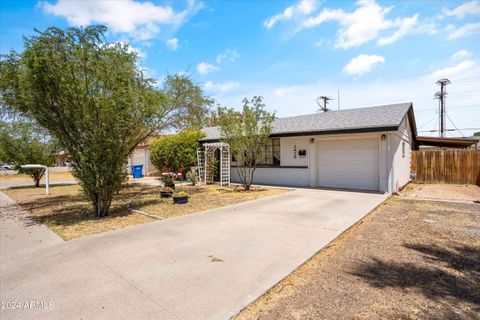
[348,163]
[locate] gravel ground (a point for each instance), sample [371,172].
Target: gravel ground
[406,260]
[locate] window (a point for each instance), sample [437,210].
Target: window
[403,149]
[272,153]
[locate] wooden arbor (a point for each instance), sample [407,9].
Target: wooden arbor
[207,159]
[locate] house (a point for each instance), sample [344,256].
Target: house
[447,142]
[364,148]
[141,155]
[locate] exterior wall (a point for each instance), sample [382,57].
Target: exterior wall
[294,177]
[288,156]
[141,155]
[402,160]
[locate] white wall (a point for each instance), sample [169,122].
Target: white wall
[295,177]
[287,155]
[402,161]
[141,155]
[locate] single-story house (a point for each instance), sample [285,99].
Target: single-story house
[448,142]
[364,148]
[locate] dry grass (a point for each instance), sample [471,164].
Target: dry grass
[201,198]
[68,213]
[405,260]
[65,175]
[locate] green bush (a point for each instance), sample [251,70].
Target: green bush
[192,176]
[176,151]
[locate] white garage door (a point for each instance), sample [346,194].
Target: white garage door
[348,163]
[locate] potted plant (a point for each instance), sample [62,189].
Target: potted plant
[167,179]
[180,197]
[166,192]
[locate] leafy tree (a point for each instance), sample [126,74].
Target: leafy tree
[91,96]
[176,151]
[26,143]
[247,133]
[476,134]
[183,91]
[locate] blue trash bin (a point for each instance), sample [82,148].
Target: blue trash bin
[137,170]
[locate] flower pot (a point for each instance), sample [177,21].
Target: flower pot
[180,200]
[170,186]
[165,194]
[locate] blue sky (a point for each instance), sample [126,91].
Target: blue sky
[290,52]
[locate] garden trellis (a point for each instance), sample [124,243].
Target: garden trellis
[206,157]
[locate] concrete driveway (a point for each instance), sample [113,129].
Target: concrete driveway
[202,266]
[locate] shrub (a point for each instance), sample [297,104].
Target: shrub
[167,179]
[192,175]
[181,194]
[176,151]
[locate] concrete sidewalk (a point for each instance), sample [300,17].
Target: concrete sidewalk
[201,266]
[19,233]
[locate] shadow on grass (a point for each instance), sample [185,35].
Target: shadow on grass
[432,281]
[65,210]
[42,186]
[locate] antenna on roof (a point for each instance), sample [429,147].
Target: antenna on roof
[338,99]
[325,100]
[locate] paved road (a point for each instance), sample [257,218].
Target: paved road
[202,266]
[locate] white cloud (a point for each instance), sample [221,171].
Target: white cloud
[468,8]
[405,26]
[462,31]
[460,54]
[228,55]
[303,8]
[172,43]
[364,24]
[221,87]
[204,68]
[452,71]
[140,20]
[280,92]
[362,64]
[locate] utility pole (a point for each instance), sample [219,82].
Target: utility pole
[325,100]
[441,95]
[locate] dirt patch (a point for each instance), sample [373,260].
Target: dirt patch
[68,213]
[201,198]
[443,191]
[406,260]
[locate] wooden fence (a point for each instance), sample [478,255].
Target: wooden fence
[447,166]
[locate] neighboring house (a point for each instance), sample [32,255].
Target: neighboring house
[447,142]
[365,148]
[141,155]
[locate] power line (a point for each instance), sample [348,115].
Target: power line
[428,122]
[454,124]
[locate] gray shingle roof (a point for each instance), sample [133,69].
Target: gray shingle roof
[349,119]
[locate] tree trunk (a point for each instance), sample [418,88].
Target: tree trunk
[37,182]
[101,204]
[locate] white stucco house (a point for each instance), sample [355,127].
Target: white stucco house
[364,148]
